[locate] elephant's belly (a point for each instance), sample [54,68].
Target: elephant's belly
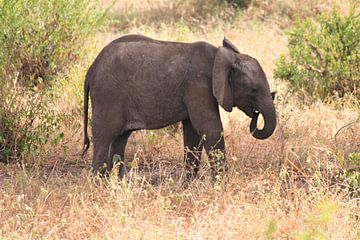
[150,118]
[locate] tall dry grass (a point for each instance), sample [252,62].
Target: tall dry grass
[290,186]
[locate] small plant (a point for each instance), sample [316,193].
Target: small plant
[352,175]
[240,3]
[271,229]
[319,221]
[324,56]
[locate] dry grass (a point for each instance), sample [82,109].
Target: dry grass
[287,187]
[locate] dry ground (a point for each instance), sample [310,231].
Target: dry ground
[290,186]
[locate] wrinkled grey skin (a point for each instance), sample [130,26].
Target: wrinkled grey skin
[140,83]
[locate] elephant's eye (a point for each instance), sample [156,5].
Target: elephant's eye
[254,90]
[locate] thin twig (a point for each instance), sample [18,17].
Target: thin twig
[344,127]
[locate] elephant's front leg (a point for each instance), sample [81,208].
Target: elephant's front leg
[205,118]
[193,148]
[215,148]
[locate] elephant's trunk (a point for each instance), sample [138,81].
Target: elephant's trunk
[269,115]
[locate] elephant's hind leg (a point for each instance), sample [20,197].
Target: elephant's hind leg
[104,135]
[118,148]
[100,164]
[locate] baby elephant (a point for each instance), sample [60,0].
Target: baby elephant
[140,83]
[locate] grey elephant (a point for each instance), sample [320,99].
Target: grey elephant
[141,83]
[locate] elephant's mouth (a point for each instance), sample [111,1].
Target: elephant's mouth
[251,113]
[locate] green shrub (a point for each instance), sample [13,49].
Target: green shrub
[38,40]
[324,56]
[27,123]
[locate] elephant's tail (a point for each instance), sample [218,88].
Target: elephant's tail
[86,113]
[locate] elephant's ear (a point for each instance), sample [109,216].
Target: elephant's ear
[229,45]
[223,62]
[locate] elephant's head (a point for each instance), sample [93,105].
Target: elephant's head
[239,81]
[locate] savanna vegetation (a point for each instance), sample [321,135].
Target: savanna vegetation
[301,183]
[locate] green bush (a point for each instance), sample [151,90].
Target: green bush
[324,56]
[38,40]
[27,123]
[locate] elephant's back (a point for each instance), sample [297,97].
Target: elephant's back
[134,55]
[144,62]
